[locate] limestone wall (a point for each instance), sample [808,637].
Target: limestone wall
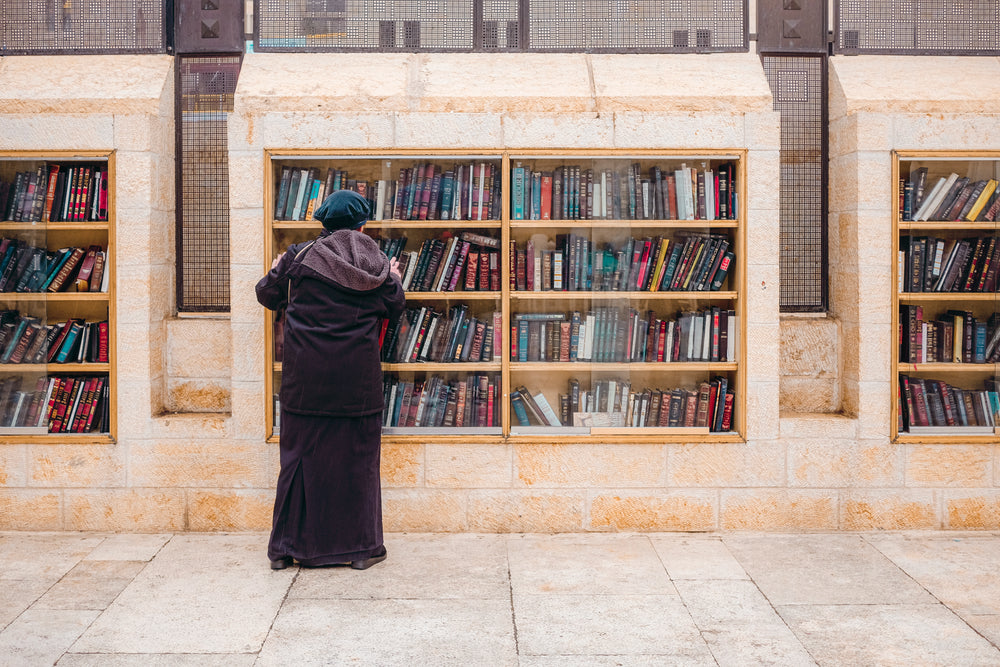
[191,453]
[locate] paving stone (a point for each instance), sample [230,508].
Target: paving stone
[127,546]
[559,624]
[589,564]
[391,632]
[92,584]
[631,660]
[43,555]
[987,626]
[962,572]
[739,624]
[697,557]
[823,569]
[419,566]
[17,595]
[206,594]
[900,634]
[157,660]
[40,636]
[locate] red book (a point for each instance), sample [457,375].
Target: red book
[643,265]
[92,409]
[727,411]
[50,411]
[484,271]
[546,195]
[471,271]
[50,192]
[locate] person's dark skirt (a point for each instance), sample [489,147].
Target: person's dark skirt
[328,505]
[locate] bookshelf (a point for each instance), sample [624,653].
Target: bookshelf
[57,319]
[600,229]
[946,317]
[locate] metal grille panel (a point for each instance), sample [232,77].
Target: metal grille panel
[918,26]
[638,25]
[334,25]
[490,25]
[68,26]
[798,87]
[206,98]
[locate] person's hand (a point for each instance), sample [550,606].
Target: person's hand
[276,260]
[394,268]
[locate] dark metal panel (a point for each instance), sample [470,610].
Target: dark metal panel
[791,26]
[918,27]
[205,88]
[77,27]
[613,26]
[799,86]
[208,26]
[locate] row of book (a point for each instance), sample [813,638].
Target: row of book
[572,192]
[607,335]
[59,404]
[954,336]
[952,198]
[438,402]
[425,191]
[691,262]
[425,334]
[441,262]
[28,340]
[927,402]
[613,403]
[929,264]
[28,268]
[56,192]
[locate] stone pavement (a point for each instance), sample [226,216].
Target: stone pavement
[83,599]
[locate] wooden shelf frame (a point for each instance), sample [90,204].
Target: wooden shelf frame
[56,233]
[951,372]
[507,298]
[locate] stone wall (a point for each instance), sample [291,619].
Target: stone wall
[191,454]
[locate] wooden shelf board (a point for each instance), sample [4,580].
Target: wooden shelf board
[949,225]
[459,366]
[53,296]
[949,296]
[609,296]
[945,367]
[58,438]
[54,368]
[639,366]
[619,224]
[396,224]
[55,226]
[448,296]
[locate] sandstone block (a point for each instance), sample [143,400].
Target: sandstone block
[874,411]
[125,510]
[30,509]
[809,347]
[230,510]
[898,509]
[763,171]
[763,130]
[448,129]
[726,465]
[251,364]
[419,510]
[191,427]
[552,465]
[468,466]
[248,406]
[645,128]
[762,235]
[809,395]
[669,511]
[949,465]
[510,511]
[946,131]
[199,347]
[184,463]
[779,509]
[13,465]
[373,128]
[35,132]
[402,464]
[762,411]
[972,510]
[762,293]
[197,396]
[539,130]
[76,465]
[246,192]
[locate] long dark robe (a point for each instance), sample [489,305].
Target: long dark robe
[328,505]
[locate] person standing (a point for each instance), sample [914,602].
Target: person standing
[336,290]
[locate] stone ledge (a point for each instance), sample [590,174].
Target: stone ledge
[213,425]
[818,425]
[89,84]
[671,84]
[919,84]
